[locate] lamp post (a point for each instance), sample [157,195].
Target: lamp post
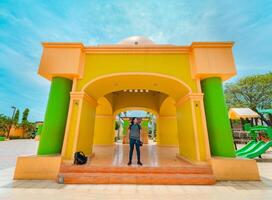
[14,109]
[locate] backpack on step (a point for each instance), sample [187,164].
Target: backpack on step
[80,158]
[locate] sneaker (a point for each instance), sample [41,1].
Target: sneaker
[129,163]
[139,163]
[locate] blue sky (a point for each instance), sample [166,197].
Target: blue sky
[25,24]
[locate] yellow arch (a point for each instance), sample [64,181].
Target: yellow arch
[170,85]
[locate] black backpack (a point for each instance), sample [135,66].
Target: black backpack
[80,158]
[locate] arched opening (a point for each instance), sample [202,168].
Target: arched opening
[179,121]
[152,153]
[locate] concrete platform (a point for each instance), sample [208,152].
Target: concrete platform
[160,166]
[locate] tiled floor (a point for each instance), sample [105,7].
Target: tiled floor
[40,190]
[151,155]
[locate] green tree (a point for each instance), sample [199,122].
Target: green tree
[25,115]
[117,125]
[16,116]
[254,92]
[29,128]
[5,123]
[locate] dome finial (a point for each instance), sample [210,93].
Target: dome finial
[136,40]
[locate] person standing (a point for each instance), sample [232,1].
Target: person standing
[134,140]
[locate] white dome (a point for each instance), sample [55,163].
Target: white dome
[136,40]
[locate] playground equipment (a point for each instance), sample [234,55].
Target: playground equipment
[242,113]
[246,147]
[238,117]
[255,149]
[259,151]
[251,149]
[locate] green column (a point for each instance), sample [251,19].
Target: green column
[220,133]
[51,138]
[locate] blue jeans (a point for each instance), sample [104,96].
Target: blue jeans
[133,142]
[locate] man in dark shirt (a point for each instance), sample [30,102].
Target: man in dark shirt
[134,140]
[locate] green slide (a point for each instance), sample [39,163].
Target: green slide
[246,147]
[251,149]
[259,151]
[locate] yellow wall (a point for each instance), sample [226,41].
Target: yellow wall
[187,144]
[169,74]
[192,134]
[151,100]
[104,122]
[104,130]
[167,131]
[176,65]
[86,128]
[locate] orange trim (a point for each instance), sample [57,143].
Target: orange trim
[198,85]
[74,84]
[206,136]
[77,124]
[67,129]
[64,145]
[117,48]
[195,130]
[212,44]
[224,76]
[63,45]
[154,49]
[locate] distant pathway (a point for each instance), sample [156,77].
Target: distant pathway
[9,150]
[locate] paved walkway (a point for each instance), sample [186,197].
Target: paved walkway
[10,189]
[9,150]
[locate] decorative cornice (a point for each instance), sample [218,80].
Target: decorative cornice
[212,44]
[63,45]
[141,49]
[156,49]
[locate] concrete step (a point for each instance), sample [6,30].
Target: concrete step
[137,178]
[184,169]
